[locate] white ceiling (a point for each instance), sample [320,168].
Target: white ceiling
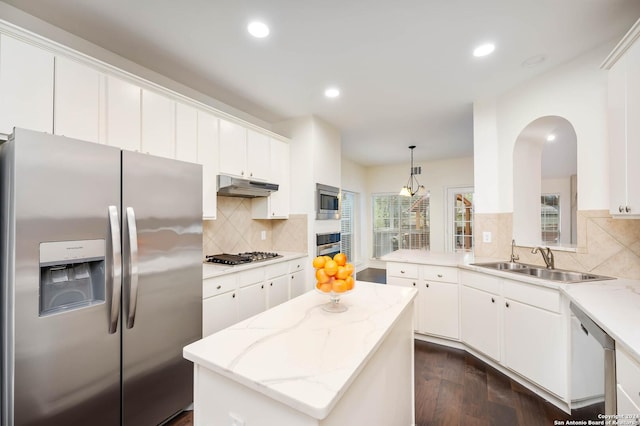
[404,68]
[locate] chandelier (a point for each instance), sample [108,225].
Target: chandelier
[412,187]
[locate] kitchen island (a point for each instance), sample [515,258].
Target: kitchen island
[297,364]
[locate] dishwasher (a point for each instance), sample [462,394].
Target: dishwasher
[593,365]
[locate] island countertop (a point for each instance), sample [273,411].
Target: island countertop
[300,355]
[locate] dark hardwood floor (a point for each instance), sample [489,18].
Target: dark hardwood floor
[455,388]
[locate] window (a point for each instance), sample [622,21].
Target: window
[400,222]
[347,225]
[550,218]
[460,219]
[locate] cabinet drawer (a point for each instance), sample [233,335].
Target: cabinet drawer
[251,276]
[276,270]
[480,281]
[218,285]
[440,273]
[540,297]
[404,270]
[297,264]
[403,282]
[628,375]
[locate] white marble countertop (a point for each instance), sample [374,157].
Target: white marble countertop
[612,304]
[300,355]
[210,270]
[425,257]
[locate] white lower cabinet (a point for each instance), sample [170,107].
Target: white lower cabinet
[439,309]
[628,384]
[277,290]
[219,312]
[535,345]
[411,283]
[251,300]
[480,321]
[230,298]
[296,277]
[438,302]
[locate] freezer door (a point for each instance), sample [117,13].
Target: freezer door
[62,365]
[162,284]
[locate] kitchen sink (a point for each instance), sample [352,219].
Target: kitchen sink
[502,266]
[557,275]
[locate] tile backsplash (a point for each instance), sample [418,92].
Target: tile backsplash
[234,231]
[606,246]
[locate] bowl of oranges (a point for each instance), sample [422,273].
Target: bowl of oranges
[334,277]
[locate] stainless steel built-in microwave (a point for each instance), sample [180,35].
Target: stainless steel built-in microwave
[327,202]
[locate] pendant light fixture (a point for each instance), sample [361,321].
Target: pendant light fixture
[413,186]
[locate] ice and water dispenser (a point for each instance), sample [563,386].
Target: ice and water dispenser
[72,275]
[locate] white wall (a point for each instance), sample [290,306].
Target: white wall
[354,179]
[436,176]
[575,91]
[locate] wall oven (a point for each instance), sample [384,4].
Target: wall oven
[328,244]
[327,202]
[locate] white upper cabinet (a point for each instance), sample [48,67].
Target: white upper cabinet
[243,153]
[123,114]
[77,103]
[158,125]
[276,205]
[624,127]
[26,86]
[258,155]
[186,133]
[208,156]
[233,149]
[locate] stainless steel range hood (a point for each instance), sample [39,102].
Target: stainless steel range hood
[229,186]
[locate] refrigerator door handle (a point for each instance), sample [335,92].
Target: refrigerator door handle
[116,271]
[131,282]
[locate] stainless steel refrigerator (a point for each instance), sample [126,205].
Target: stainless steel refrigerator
[101,264]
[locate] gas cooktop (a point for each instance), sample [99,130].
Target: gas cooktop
[240,258]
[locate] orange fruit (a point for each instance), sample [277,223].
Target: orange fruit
[322,276]
[327,258]
[349,281]
[339,286]
[342,273]
[324,287]
[330,267]
[340,259]
[318,262]
[350,268]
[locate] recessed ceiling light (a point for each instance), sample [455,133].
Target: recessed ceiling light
[484,50]
[551,137]
[258,29]
[332,92]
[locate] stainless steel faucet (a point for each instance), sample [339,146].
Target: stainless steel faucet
[547,255]
[513,257]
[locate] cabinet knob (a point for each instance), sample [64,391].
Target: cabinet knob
[219,287]
[401,271]
[233,295]
[251,174]
[506,304]
[427,284]
[262,286]
[241,172]
[627,209]
[271,284]
[414,284]
[620,209]
[493,300]
[439,275]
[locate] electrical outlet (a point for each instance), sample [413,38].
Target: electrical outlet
[263,235]
[486,237]
[236,420]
